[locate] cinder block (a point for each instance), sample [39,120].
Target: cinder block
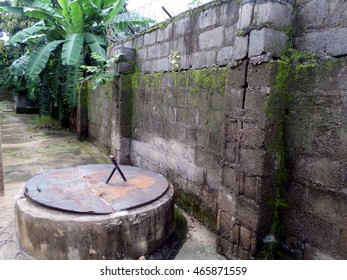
[226,202]
[245,15]
[128,44]
[248,213]
[223,246]
[314,14]
[230,152]
[211,39]
[321,171]
[267,41]
[252,161]
[225,56]
[245,238]
[185,26]
[255,107]
[249,186]
[162,64]
[141,55]
[229,179]
[230,33]
[232,130]
[229,13]
[180,45]
[150,38]
[240,47]
[224,222]
[166,33]
[328,205]
[274,14]
[138,42]
[218,103]
[331,41]
[208,18]
[235,234]
[153,51]
[252,136]
[204,59]
[164,50]
[233,102]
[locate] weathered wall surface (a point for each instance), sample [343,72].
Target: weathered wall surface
[252,139]
[177,131]
[99,114]
[322,26]
[316,219]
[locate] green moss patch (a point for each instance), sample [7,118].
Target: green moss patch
[197,209]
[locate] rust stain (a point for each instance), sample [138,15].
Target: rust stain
[83,189]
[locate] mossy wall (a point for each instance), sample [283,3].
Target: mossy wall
[249,127]
[100,114]
[177,130]
[316,146]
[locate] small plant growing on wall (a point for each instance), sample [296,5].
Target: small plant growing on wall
[174,59]
[102,72]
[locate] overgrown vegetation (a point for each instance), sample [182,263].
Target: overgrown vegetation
[63,39]
[102,72]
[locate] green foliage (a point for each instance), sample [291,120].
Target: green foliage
[13,23]
[7,56]
[174,59]
[64,39]
[127,24]
[101,73]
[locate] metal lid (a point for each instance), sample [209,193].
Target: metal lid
[83,189]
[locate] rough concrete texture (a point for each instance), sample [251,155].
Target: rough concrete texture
[322,26]
[29,150]
[57,235]
[330,41]
[267,41]
[223,131]
[275,14]
[318,191]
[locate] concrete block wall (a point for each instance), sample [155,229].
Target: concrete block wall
[316,221]
[213,126]
[100,114]
[322,26]
[204,37]
[177,131]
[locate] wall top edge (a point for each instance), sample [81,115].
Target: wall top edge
[188,13]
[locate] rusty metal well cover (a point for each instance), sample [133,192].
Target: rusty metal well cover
[83,189]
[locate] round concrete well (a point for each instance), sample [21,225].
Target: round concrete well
[73,214]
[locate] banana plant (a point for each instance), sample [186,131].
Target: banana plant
[78,27]
[67,33]
[64,38]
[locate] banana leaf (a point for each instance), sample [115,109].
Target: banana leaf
[72,48]
[96,44]
[77,17]
[24,34]
[38,59]
[114,10]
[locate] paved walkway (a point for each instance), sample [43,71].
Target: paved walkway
[30,147]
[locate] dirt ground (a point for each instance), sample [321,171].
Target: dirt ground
[31,145]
